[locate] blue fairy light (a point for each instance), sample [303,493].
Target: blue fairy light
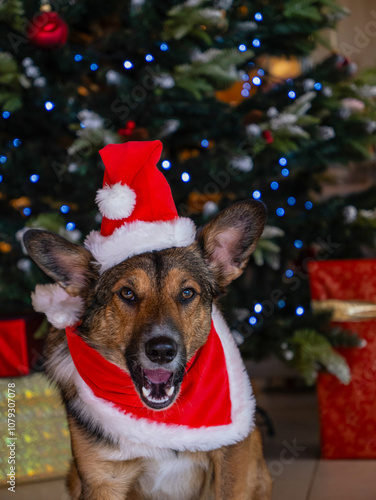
[260,72]
[70,226]
[204,143]
[246,85]
[34,178]
[252,320]
[257,308]
[242,47]
[281,304]
[256,81]
[78,57]
[1,178]
[280,212]
[298,243]
[256,195]
[256,42]
[299,311]
[285,172]
[317,86]
[27,211]
[49,105]
[258,16]
[292,94]
[185,177]
[274,185]
[3,159]
[127,65]
[308,205]
[17,142]
[245,93]
[282,162]
[64,209]
[289,273]
[166,164]
[245,77]
[149,58]
[94,67]
[164,47]
[6,114]
[291,201]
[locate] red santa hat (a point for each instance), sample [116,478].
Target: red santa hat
[139,213]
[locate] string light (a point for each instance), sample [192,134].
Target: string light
[299,311]
[34,178]
[204,143]
[289,273]
[257,308]
[49,105]
[3,159]
[17,143]
[149,58]
[245,77]
[70,226]
[252,320]
[317,86]
[291,94]
[166,164]
[308,205]
[246,86]
[245,93]
[256,81]
[185,177]
[260,72]
[256,195]
[6,114]
[256,42]
[127,65]
[281,304]
[274,185]
[27,211]
[258,16]
[64,209]
[291,201]
[1,178]
[298,243]
[285,172]
[282,162]
[94,67]
[280,212]
[164,47]
[78,57]
[242,47]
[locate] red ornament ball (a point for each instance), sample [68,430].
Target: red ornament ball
[47,30]
[268,136]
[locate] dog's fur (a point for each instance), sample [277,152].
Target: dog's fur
[119,328]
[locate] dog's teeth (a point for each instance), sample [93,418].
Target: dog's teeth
[170,391]
[146,392]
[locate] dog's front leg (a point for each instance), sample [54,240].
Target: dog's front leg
[95,477]
[240,472]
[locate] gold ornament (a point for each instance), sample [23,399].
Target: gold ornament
[346,310]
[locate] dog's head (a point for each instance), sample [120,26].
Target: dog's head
[152,312]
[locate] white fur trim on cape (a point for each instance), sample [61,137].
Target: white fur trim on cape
[143,434]
[139,237]
[116,202]
[61,309]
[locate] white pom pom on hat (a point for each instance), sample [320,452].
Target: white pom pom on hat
[116,202]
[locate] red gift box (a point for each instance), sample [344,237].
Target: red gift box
[348,412]
[20,352]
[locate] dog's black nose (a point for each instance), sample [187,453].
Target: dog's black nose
[161,349]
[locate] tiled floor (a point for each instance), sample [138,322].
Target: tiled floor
[292,456]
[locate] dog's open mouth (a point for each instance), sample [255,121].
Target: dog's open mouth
[157,388]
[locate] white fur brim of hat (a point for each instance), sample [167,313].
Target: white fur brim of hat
[139,237]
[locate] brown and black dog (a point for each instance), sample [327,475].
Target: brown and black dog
[170,291]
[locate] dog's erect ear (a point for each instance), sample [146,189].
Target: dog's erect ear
[229,239]
[68,264]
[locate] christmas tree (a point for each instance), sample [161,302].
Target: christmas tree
[76,75]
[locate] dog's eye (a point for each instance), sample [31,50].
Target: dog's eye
[127,294]
[188,293]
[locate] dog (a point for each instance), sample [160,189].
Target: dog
[148,318]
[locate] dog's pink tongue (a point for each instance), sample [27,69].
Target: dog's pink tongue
[158,376]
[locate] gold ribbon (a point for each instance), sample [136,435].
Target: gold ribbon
[346,310]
